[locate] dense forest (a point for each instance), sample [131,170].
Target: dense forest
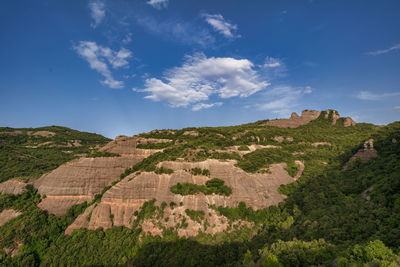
[331,216]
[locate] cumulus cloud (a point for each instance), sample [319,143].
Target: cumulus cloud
[97,56]
[365,95]
[220,25]
[181,31]
[200,77]
[97,12]
[200,106]
[271,62]
[283,99]
[158,4]
[384,51]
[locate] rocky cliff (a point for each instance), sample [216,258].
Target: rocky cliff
[118,204]
[307,116]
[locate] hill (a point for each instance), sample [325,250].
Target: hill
[314,189]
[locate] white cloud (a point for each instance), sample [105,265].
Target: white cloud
[200,106]
[97,56]
[283,99]
[181,31]
[396,107]
[271,62]
[384,51]
[200,77]
[307,90]
[220,25]
[158,4]
[365,95]
[127,39]
[97,12]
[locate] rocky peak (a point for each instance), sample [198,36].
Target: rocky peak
[307,116]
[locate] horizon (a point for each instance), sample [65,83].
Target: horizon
[122,68]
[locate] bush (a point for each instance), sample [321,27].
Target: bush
[213,186]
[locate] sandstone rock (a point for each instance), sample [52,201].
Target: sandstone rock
[192,133]
[279,139]
[43,133]
[126,146]
[128,196]
[317,144]
[79,180]
[16,132]
[335,115]
[348,122]
[365,153]
[295,120]
[13,186]
[241,153]
[7,215]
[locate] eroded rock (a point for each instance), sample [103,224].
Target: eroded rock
[126,146]
[7,215]
[118,204]
[295,120]
[79,180]
[364,154]
[317,144]
[13,186]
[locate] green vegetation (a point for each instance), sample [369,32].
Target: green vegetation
[154,145]
[163,170]
[96,154]
[328,218]
[243,148]
[195,215]
[24,154]
[213,186]
[199,171]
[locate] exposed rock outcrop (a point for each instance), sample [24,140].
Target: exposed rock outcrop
[79,180]
[317,144]
[7,215]
[126,146]
[192,133]
[42,133]
[118,204]
[307,116]
[364,154]
[348,122]
[280,139]
[13,186]
[296,120]
[252,148]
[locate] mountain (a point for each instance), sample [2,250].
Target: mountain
[314,189]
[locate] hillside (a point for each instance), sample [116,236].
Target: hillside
[315,189]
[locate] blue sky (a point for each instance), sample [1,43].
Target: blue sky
[124,67]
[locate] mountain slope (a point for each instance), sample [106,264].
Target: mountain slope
[329,214]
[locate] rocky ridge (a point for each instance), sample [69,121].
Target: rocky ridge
[307,116]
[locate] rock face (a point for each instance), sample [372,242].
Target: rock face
[365,154]
[252,148]
[126,146]
[7,215]
[309,115]
[118,204]
[317,144]
[12,186]
[79,180]
[296,120]
[335,115]
[348,122]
